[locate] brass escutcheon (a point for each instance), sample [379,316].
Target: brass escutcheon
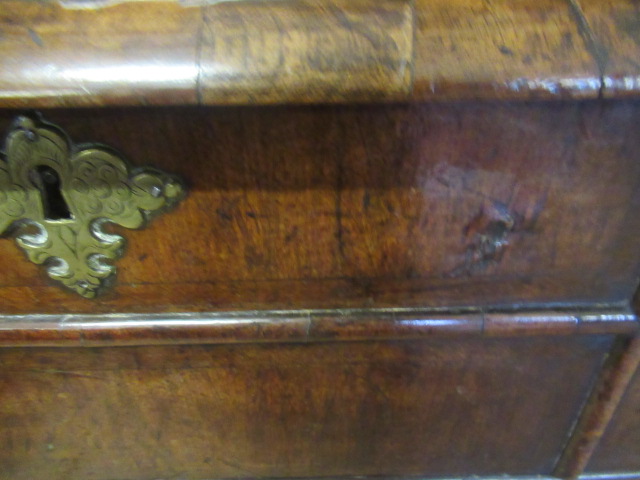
[56,197]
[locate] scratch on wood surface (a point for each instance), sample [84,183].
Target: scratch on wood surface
[67,373]
[592,44]
[36,38]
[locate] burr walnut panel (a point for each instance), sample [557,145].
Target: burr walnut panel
[95,52]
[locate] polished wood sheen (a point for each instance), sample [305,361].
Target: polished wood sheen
[358,207]
[504,49]
[437,408]
[619,448]
[79,53]
[300,326]
[596,417]
[408,249]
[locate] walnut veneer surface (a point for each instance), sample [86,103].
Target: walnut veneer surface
[409,247]
[618,450]
[97,52]
[408,408]
[483,204]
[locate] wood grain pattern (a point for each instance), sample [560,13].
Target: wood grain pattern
[597,414]
[501,49]
[310,51]
[274,52]
[392,408]
[619,434]
[506,232]
[363,207]
[50,56]
[298,326]
[613,29]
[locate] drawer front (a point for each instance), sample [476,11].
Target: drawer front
[437,408]
[376,206]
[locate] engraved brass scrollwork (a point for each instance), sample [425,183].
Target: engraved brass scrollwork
[57,198]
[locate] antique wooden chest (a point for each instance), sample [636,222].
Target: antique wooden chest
[319,238]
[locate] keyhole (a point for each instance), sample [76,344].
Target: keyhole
[47,180]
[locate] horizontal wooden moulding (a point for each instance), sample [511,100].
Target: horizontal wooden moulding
[299,326]
[79,53]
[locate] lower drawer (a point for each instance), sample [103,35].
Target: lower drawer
[434,407]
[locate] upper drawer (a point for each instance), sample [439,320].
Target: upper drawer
[367,206]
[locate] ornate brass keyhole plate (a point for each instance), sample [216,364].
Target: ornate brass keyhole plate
[56,198]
